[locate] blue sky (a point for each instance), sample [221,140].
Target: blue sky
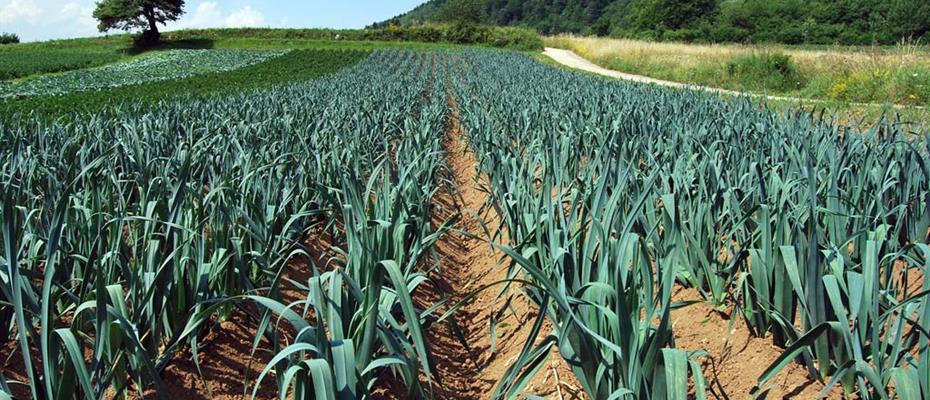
[55,19]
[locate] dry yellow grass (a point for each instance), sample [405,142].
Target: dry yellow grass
[687,55]
[841,73]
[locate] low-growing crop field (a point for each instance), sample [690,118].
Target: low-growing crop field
[452,224]
[293,66]
[18,64]
[155,67]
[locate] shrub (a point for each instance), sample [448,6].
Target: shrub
[682,35]
[467,33]
[515,38]
[462,33]
[725,33]
[765,71]
[8,38]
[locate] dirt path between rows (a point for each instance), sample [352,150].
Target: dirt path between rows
[736,357]
[569,59]
[468,368]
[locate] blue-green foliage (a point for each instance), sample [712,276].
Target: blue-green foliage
[611,191]
[125,233]
[154,67]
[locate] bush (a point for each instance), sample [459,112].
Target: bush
[462,33]
[467,33]
[725,33]
[8,38]
[698,34]
[765,71]
[862,86]
[515,38]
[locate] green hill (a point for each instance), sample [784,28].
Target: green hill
[854,22]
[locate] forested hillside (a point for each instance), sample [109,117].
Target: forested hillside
[784,21]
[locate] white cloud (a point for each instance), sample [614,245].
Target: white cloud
[207,14]
[15,10]
[245,17]
[51,19]
[80,17]
[70,8]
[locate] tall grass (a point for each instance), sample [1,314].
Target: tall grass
[896,74]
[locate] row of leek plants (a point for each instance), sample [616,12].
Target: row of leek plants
[359,326]
[574,231]
[609,191]
[127,234]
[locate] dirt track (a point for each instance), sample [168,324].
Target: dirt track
[569,59]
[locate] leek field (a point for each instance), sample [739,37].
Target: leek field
[310,209]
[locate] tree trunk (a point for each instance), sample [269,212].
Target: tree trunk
[149,13]
[150,36]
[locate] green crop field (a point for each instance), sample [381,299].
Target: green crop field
[159,66]
[357,220]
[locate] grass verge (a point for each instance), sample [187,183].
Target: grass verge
[846,113]
[898,74]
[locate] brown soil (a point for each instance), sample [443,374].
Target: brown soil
[229,368]
[737,359]
[225,364]
[14,370]
[467,367]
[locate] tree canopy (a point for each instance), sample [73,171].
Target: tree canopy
[137,14]
[463,12]
[783,21]
[8,38]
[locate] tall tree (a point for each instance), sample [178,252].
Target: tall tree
[464,11]
[678,14]
[132,14]
[911,19]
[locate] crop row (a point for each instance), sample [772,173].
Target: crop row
[294,67]
[613,193]
[16,63]
[160,66]
[126,233]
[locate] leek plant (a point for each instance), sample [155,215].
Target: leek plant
[359,323]
[576,229]
[612,192]
[126,234]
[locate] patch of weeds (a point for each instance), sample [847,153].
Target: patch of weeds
[766,71]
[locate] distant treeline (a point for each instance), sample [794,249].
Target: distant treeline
[853,22]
